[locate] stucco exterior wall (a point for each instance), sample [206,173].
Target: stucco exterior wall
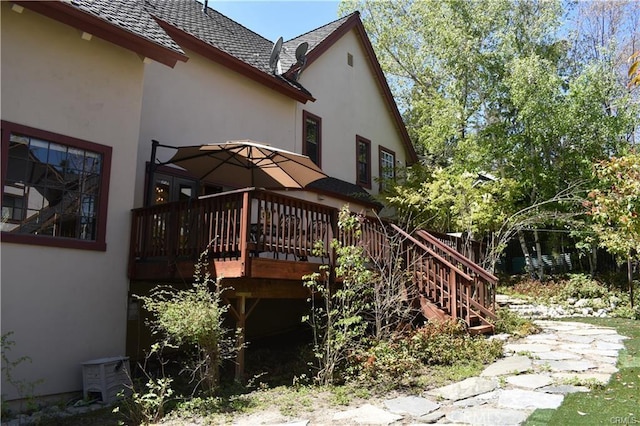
[201,102]
[66,306]
[349,102]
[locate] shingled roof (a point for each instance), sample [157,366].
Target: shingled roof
[123,22]
[313,37]
[215,29]
[342,189]
[131,16]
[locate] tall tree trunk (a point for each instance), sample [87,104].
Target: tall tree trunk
[630,278]
[525,252]
[536,237]
[593,261]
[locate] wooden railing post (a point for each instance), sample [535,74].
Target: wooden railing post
[453,294]
[172,234]
[245,224]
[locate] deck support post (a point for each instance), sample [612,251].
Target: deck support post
[241,312]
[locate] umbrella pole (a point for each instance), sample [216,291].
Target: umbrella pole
[151,174]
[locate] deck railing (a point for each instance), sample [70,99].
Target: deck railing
[232,225]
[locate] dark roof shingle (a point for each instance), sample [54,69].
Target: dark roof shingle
[215,29]
[343,189]
[313,37]
[129,15]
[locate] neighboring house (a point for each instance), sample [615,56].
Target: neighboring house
[87,85]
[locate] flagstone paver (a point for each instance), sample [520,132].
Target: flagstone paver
[465,389]
[488,416]
[564,389]
[511,365]
[367,415]
[529,400]
[557,355]
[530,381]
[412,405]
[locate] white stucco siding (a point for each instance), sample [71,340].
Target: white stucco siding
[66,306]
[350,102]
[201,102]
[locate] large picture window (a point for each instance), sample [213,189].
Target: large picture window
[312,137]
[363,161]
[54,189]
[387,166]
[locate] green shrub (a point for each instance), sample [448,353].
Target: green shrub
[193,318]
[512,323]
[447,343]
[583,287]
[397,362]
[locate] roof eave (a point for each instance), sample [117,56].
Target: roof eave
[188,41]
[354,22]
[77,18]
[344,197]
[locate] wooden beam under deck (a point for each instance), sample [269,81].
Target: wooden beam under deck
[183,270]
[258,288]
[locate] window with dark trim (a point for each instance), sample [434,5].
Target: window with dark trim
[363,161]
[312,137]
[387,165]
[54,189]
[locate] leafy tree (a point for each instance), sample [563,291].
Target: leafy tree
[615,208]
[493,86]
[337,312]
[634,70]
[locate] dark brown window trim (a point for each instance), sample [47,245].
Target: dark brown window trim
[42,240]
[367,183]
[307,115]
[382,149]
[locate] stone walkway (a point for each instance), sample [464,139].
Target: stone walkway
[535,373]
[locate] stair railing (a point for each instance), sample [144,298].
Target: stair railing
[484,283]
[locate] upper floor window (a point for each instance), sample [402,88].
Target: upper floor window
[387,166]
[55,189]
[363,161]
[312,137]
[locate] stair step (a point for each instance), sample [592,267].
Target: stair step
[481,329]
[431,311]
[474,320]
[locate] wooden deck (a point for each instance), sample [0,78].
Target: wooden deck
[263,242]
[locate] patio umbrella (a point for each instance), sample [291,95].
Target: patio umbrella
[246,163]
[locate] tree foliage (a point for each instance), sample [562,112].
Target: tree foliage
[615,207]
[498,87]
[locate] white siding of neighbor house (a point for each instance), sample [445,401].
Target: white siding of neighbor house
[349,102]
[201,102]
[67,306]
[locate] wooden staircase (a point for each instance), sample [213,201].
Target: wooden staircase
[447,284]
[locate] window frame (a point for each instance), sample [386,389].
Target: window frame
[367,142]
[99,244]
[382,150]
[306,115]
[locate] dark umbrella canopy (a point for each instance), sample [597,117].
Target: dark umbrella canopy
[246,163]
